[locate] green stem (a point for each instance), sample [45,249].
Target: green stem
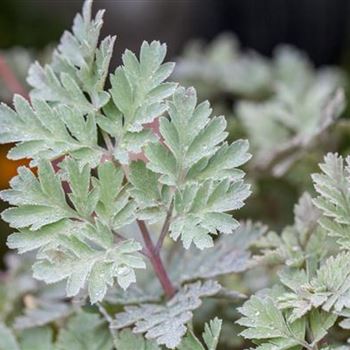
[107,317]
[165,228]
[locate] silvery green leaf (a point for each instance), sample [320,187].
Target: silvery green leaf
[43,131]
[329,289]
[259,119]
[320,323]
[230,254]
[25,240]
[304,241]
[190,133]
[306,215]
[200,211]
[224,163]
[57,87]
[145,185]
[134,141]
[154,320]
[84,266]
[264,321]
[79,65]
[38,201]
[221,67]
[111,121]
[282,127]
[74,245]
[37,338]
[332,282]
[126,340]
[333,188]
[139,92]
[200,169]
[83,200]
[85,331]
[7,339]
[145,290]
[73,86]
[190,342]
[147,192]
[210,336]
[114,208]
[133,295]
[211,333]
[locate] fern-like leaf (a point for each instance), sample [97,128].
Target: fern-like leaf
[197,171]
[154,321]
[73,244]
[333,188]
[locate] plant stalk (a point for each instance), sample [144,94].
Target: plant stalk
[156,261]
[165,228]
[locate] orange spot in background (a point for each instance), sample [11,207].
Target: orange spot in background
[8,168]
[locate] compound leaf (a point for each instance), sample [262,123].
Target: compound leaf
[333,188]
[73,244]
[39,201]
[211,333]
[139,92]
[154,320]
[230,254]
[42,131]
[264,321]
[200,169]
[78,66]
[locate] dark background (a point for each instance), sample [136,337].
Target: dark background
[320,27]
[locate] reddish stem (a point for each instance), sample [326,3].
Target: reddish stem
[156,261]
[10,79]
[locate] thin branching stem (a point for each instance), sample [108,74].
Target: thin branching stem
[107,317]
[165,229]
[156,260]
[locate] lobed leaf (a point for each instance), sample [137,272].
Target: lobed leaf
[333,188]
[79,66]
[166,323]
[42,131]
[230,254]
[265,322]
[73,243]
[197,172]
[139,92]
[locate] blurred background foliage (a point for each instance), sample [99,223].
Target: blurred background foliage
[285,99]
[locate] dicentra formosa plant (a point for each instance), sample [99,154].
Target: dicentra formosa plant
[74,213]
